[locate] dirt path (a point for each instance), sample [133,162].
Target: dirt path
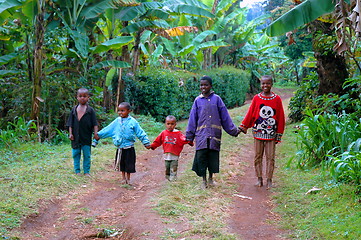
[107,204]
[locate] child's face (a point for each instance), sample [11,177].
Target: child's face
[123,111]
[205,87]
[266,85]
[170,124]
[83,97]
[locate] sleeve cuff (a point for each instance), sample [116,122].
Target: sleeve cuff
[278,137]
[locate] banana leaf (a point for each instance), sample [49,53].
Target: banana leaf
[300,15]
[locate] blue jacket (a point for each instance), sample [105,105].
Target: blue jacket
[123,131]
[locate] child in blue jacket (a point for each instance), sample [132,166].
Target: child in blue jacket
[123,130]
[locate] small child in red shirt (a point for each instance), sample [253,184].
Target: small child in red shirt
[173,142]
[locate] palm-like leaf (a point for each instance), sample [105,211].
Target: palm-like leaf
[114,64]
[302,14]
[7,8]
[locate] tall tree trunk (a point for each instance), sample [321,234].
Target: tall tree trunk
[125,49]
[38,57]
[120,90]
[332,72]
[331,67]
[136,52]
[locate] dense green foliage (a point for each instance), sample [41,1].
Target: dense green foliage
[231,84]
[303,98]
[323,135]
[346,166]
[17,132]
[161,92]
[306,97]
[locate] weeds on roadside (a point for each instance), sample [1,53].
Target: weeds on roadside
[17,131]
[322,135]
[332,213]
[346,167]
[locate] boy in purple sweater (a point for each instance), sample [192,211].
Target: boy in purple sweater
[206,120]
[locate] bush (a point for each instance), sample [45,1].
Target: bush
[346,167]
[231,84]
[17,131]
[302,98]
[161,92]
[306,98]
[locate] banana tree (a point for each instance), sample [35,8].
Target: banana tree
[30,13]
[157,17]
[79,18]
[331,65]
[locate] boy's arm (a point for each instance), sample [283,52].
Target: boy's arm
[183,140]
[69,123]
[157,142]
[226,120]
[108,131]
[94,123]
[192,123]
[249,119]
[281,121]
[141,135]
[96,137]
[71,136]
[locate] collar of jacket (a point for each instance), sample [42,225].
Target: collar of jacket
[212,92]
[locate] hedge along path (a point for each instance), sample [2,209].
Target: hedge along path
[105,204]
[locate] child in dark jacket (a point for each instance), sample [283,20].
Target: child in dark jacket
[207,118]
[82,123]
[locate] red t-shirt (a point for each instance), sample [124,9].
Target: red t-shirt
[172,142]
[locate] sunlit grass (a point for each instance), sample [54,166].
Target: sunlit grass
[332,213]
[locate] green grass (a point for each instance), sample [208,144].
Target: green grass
[332,213]
[32,173]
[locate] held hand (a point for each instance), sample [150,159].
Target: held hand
[242,129]
[96,137]
[71,137]
[148,147]
[190,143]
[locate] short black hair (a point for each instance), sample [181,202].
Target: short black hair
[126,105]
[206,78]
[83,90]
[268,77]
[171,117]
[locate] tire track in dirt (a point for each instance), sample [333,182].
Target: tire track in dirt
[108,204]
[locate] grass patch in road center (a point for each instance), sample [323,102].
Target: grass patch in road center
[206,212]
